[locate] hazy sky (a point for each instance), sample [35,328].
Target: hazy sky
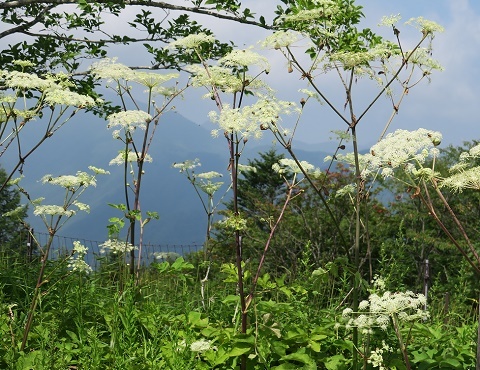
[446,104]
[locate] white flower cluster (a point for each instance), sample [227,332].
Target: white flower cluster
[52,210]
[287,165]
[425,25]
[323,9]
[252,120]
[81,179]
[376,356]
[55,89]
[70,98]
[380,308]
[187,165]
[117,246]
[422,58]
[245,58]
[128,120]
[281,39]
[55,210]
[110,70]
[243,168]
[201,345]
[465,174]
[390,21]
[351,59]
[192,41]
[233,223]
[130,157]
[166,256]
[76,261]
[206,185]
[223,79]
[402,149]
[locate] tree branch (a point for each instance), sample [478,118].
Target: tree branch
[27,25]
[143,3]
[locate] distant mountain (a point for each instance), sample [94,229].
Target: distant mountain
[85,142]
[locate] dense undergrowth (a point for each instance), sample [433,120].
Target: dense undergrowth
[105,320]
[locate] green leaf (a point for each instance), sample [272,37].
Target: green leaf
[336,362]
[196,320]
[240,349]
[121,207]
[303,358]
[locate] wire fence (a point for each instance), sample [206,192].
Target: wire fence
[62,247]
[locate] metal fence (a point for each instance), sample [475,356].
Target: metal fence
[62,247]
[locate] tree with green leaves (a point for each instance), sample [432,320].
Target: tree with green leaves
[13,215]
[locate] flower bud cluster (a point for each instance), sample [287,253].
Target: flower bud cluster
[465,174]
[382,307]
[76,262]
[117,246]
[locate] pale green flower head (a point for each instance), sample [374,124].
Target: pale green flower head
[130,157]
[201,345]
[209,175]
[192,41]
[238,120]
[464,174]
[52,210]
[26,81]
[323,9]
[79,248]
[17,212]
[242,168]
[117,246]
[129,120]
[311,94]
[245,58]
[390,21]
[57,96]
[346,190]
[81,179]
[187,165]
[108,69]
[233,223]
[422,58]
[23,63]
[82,206]
[209,187]
[467,179]
[15,181]
[152,80]
[424,25]
[79,265]
[287,165]
[166,256]
[403,149]
[98,171]
[223,79]
[281,39]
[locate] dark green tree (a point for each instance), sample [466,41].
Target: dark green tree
[13,215]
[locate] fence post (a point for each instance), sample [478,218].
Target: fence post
[426,280]
[30,245]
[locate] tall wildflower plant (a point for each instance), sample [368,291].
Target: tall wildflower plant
[205,186]
[327,32]
[27,98]
[384,310]
[134,126]
[252,109]
[54,217]
[410,157]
